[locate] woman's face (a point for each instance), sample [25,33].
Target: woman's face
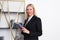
[29,11]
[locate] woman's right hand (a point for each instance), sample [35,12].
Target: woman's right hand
[25,30]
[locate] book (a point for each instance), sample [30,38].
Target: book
[17,25]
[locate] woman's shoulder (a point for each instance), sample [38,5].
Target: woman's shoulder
[37,18]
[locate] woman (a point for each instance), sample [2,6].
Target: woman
[32,26]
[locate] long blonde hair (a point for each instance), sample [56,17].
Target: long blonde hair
[33,9]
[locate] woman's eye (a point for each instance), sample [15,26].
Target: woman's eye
[30,9]
[26,9]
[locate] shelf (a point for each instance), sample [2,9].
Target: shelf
[14,12]
[15,26]
[15,0]
[8,28]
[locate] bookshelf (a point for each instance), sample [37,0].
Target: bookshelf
[13,7]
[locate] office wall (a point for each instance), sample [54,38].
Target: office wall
[49,12]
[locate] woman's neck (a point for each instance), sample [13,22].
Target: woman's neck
[30,16]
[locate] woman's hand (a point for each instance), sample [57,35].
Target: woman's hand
[25,30]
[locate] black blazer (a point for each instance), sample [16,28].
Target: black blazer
[35,28]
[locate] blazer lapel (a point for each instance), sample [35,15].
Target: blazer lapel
[29,21]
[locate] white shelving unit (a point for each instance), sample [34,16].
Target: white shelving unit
[14,7]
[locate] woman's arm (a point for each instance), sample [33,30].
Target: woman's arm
[38,27]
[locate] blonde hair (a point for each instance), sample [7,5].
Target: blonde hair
[32,7]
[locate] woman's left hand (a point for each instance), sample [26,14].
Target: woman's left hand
[25,30]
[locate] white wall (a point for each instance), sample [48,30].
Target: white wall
[49,12]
